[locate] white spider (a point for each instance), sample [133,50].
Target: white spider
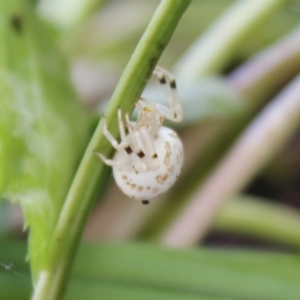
[149,158]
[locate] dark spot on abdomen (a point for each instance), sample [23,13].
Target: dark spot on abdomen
[128,150]
[141,154]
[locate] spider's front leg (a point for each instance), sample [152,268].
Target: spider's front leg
[167,80]
[123,145]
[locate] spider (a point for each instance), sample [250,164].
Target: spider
[149,157]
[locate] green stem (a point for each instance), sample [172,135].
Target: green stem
[91,173]
[210,53]
[253,217]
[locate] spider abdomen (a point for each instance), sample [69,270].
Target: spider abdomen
[149,184]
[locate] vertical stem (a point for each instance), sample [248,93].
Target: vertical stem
[91,172]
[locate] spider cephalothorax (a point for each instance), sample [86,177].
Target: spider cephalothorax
[149,157]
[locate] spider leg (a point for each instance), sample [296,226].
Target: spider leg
[124,141]
[167,80]
[136,141]
[140,109]
[143,145]
[137,145]
[109,136]
[155,122]
[110,162]
[121,125]
[111,139]
[151,155]
[139,106]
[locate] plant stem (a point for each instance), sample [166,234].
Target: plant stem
[91,172]
[210,53]
[260,218]
[263,138]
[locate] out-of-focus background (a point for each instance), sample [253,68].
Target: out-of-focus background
[237,200]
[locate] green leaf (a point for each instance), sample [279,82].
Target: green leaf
[43,129]
[140,271]
[203,272]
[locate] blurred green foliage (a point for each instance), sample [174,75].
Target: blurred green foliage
[43,128]
[134,271]
[44,132]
